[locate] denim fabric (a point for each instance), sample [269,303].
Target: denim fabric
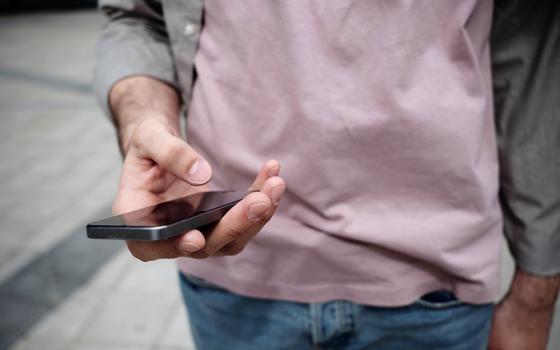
[223,320]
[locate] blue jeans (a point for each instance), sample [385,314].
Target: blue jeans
[220,319]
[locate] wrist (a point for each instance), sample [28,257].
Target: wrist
[136,99]
[534,293]
[128,126]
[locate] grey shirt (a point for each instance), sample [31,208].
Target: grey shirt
[526,72]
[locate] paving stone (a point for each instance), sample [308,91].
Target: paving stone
[59,166]
[108,345]
[129,318]
[111,275]
[167,347]
[46,282]
[12,232]
[7,253]
[24,344]
[64,324]
[38,240]
[178,335]
[50,35]
[18,257]
[33,212]
[157,277]
[24,97]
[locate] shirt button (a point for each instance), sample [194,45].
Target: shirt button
[191,28]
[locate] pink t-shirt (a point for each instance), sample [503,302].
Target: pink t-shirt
[380,113]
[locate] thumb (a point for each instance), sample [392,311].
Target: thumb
[154,142]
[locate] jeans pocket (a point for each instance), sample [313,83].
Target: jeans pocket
[440,299]
[198,282]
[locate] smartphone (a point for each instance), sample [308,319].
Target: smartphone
[167,219]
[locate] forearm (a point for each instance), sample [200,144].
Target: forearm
[523,318]
[533,292]
[137,98]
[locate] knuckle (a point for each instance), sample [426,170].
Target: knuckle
[266,217]
[201,254]
[170,151]
[258,197]
[234,232]
[233,249]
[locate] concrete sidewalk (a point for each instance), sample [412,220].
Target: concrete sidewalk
[59,167]
[59,162]
[127,305]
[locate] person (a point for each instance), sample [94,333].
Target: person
[383,228]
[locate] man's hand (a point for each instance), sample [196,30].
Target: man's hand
[159,166]
[522,319]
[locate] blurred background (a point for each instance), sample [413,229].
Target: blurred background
[59,168]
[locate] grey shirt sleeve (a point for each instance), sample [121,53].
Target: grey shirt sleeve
[133,42]
[526,74]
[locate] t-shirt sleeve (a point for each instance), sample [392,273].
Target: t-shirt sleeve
[526,75]
[134,41]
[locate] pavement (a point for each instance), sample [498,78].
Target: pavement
[59,168]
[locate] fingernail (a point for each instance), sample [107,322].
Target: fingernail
[200,172]
[274,171]
[257,211]
[188,247]
[276,194]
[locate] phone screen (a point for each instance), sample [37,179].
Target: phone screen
[173,211]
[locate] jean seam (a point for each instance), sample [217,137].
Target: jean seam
[315,322]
